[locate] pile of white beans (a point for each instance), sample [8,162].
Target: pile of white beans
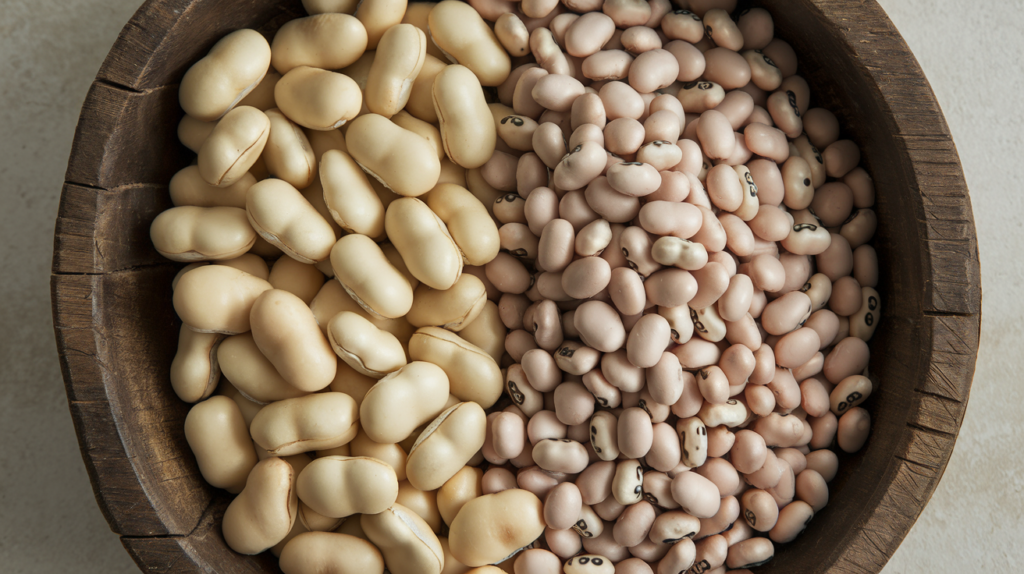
[574,302]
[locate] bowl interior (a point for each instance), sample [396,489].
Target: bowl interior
[125,297]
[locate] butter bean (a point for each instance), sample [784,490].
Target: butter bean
[232,68]
[330,552]
[372,281]
[301,279]
[218,436]
[349,195]
[264,511]
[405,540]
[448,443]
[404,163]
[287,334]
[400,56]
[190,233]
[402,401]
[339,486]
[627,485]
[472,374]
[467,129]
[314,422]
[328,41]
[494,526]
[424,242]
[465,39]
[217,299]
[367,349]
[188,187]
[318,99]
[233,146]
[283,217]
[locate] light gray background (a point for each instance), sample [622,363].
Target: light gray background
[50,51]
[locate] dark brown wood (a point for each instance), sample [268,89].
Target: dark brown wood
[116,330]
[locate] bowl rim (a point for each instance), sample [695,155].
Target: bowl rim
[950,318]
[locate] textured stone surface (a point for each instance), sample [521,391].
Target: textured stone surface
[51,49]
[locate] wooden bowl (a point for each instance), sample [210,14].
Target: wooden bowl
[117,333]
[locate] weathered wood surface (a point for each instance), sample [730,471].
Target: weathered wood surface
[116,331]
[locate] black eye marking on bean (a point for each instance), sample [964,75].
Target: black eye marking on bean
[702,431]
[850,398]
[807,182]
[767,60]
[708,30]
[699,326]
[853,216]
[639,473]
[566,352]
[533,279]
[521,252]
[792,101]
[701,567]
[731,402]
[516,120]
[806,287]
[808,521]
[643,405]
[751,186]
[675,336]
[750,516]
[575,149]
[802,226]
[660,143]
[513,391]
[817,155]
[651,498]
[602,401]
[703,372]
[872,302]
[632,163]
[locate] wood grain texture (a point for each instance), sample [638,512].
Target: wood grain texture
[116,330]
